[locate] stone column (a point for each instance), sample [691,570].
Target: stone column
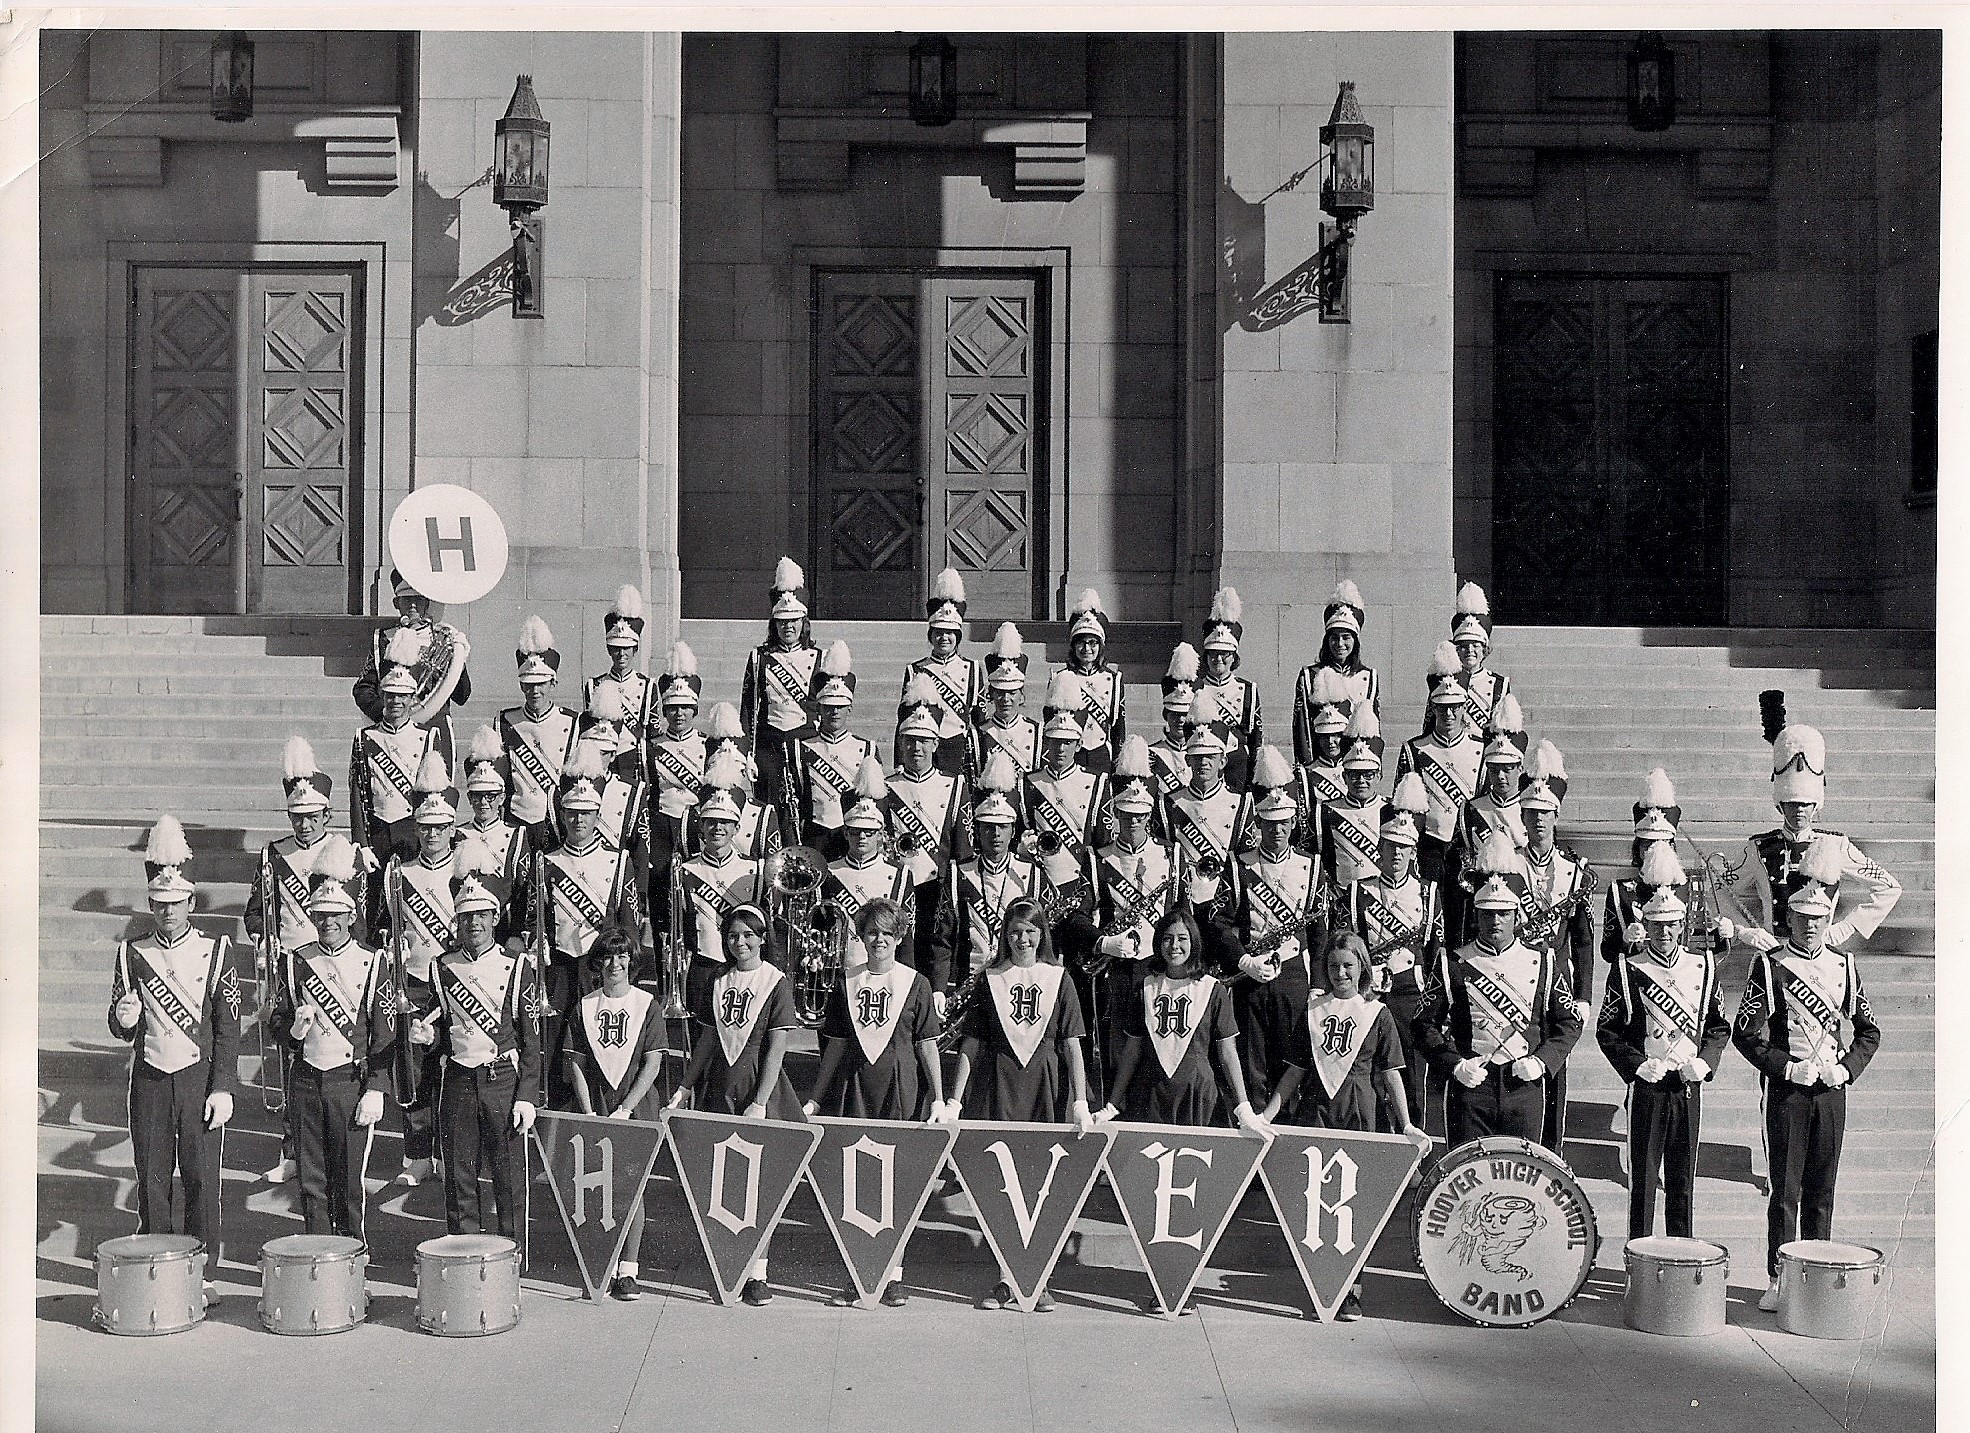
[1335,440]
[566,424]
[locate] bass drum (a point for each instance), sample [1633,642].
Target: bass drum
[1503,1233]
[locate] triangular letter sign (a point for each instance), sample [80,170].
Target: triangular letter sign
[873,1178]
[738,1175]
[1178,1186]
[1333,1191]
[1027,1183]
[597,1169]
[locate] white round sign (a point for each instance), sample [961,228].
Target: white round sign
[448,543]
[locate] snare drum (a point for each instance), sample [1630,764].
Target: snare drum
[1677,1286]
[1503,1233]
[1828,1290]
[150,1283]
[312,1283]
[468,1285]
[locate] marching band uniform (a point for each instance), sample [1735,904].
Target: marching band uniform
[1064,815]
[1321,777]
[825,766]
[1449,769]
[1494,808]
[537,747]
[435,653]
[957,682]
[1350,830]
[1769,862]
[1789,1026]
[779,681]
[1401,924]
[1103,718]
[625,813]
[977,892]
[1344,617]
[341,1056]
[712,888]
[419,908]
[1207,821]
[1470,630]
[503,841]
[1502,1020]
[589,888]
[622,634]
[1005,679]
[1237,697]
[176,1001]
[928,812]
[383,760]
[610,1039]
[1555,915]
[1166,758]
[1662,1028]
[1656,818]
[852,883]
[760,833]
[1274,904]
[882,1022]
[676,763]
[487,1021]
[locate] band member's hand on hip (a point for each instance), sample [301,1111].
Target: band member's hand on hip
[218,1109]
[369,1109]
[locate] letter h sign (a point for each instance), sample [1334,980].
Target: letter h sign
[439,545]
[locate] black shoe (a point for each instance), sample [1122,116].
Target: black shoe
[846,1299]
[997,1297]
[624,1287]
[1044,1303]
[1350,1307]
[756,1293]
[896,1295]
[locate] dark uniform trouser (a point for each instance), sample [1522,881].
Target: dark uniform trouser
[330,1148]
[1804,1127]
[566,983]
[476,1112]
[420,1102]
[168,1135]
[1436,862]
[1403,1000]
[386,839]
[1663,1129]
[1502,1105]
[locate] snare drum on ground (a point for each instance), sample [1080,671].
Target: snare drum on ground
[313,1284]
[150,1283]
[1503,1233]
[1677,1286]
[1827,1289]
[468,1285]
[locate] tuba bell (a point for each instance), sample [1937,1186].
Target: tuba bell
[816,930]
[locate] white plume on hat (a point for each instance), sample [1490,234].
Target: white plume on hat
[1132,761]
[1006,642]
[1547,763]
[1330,688]
[1411,795]
[1472,601]
[1660,867]
[722,722]
[1347,594]
[585,765]
[1205,707]
[1444,661]
[948,586]
[432,774]
[1364,724]
[998,774]
[486,746]
[403,648]
[629,602]
[1270,768]
[167,845]
[919,690]
[1088,601]
[476,858]
[1064,691]
[787,575]
[836,660]
[870,783]
[605,702]
[1227,605]
[1823,862]
[1497,856]
[338,859]
[297,759]
[1800,744]
[534,637]
[1183,663]
[682,662]
[724,770]
[1508,718]
[1657,790]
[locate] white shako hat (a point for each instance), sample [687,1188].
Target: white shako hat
[870,790]
[1543,786]
[622,626]
[1662,871]
[433,790]
[1799,765]
[1403,812]
[581,781]
[1087,617]
[993,796]
[1361,748]
[1500,874]
[535,656]
[1445,689]
[1471,622]
[834,677]
[680,685]
[1332,700]
[306,784]
[919,713]
[1224,629]
[1505,740]
[946,607]
[166,854]
[1180,679]
[1205,729]
[1005,664]
[483,762]
[1134,782]
[1345,608]
[478,885]
[1665,904]
[789,582]
[1062,714]
[400,653]
[1272,775]
[328,883]
[1814,889]
[721,792]
[1656,813]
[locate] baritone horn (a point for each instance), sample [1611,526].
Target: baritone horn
[816,930]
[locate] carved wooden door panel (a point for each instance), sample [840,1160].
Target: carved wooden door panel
[928,438]
[1610,445]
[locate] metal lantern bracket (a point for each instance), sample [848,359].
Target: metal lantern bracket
[1321,282]
[520,180]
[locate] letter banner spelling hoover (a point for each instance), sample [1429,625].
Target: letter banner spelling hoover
[1027,1183]
[873,1178]
[1178,1186]
[597,1169]
[1333,1191]
[738,1175]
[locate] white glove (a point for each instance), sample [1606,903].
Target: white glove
[622,1113]
[1419,1137]
[425,1031]
[1834,1074]
[523,1116]
[305,1019]
[1801,1072]
[1107,1114]
[810,1109]
[1726,929]
[939,999]
[1249,1120]
[1651,1070]
[128,1009]
[1469,1073]
[756,1110]
[1116,947]
[1696,1069]
[1259,968]
[1083,1121]
[1634,933]
[369,1109]
[218,1109]
[1529,1067]
[1757,939]
[943,1112]
[676,1100]
[1202,889]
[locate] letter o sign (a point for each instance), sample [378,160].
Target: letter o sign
[448,543]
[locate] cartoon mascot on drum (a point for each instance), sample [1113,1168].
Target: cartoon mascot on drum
[1494,1228]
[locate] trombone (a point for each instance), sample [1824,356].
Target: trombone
[273,1055]
[676,959]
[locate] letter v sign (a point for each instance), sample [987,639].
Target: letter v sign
[1027,1184]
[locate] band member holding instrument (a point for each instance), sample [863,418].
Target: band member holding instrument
[383,762]
[1351,827]
[1261,943]
[1321,779]
[774,704]
[1340,653]
[1237,697]
[718,879]
[1002,726]
[1800,1001]
[1663,1029]
[175,996]
[1134,882]
[1207,821]
[1347,1040]
[1064,804]
[539,736]
[1497,1017]
[1763,872]
[1183,1014]
[866,873]
[624,819]
[978,892]
[1558,916]
[622,634]
[1103,718]
[1399,917]
[1024,1036]
[737,1067]
[1179,691]
[277,905]
[928,810]
[485,794]
[759,832]
[433,652]
[486,1023]
[1470,632]
[825,763]
[421,928]
[1656,818]
[339,1015]
[615,1056]
[956,683]
[1494,808]
[674,755]
[1447,756]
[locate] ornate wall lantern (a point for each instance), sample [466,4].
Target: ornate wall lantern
[520,188]
[1347,146]
[1651,83]
[232,78]
[933,81]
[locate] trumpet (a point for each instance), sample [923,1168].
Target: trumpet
[817,930]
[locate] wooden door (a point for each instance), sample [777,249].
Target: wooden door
[927,441]
[244,429]
[1610,443]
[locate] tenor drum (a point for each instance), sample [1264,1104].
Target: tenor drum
[1827,1289]
[1677,1286]
[150,1283]
[468,1285]
[1502,1232]
[313,1283]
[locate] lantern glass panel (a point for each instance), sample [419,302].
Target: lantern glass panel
[232,77]
[1350,163]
